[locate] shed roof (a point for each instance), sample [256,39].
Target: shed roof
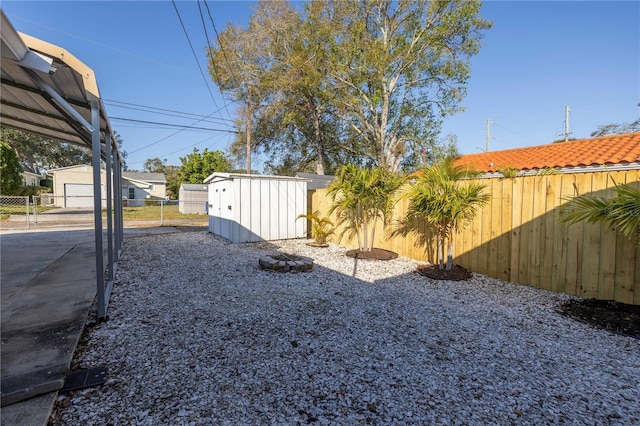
[194,187]
[612,151]
[217,176]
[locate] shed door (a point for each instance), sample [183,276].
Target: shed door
[78,195]
[222,209]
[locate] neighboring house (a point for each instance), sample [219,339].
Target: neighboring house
[138,186]
[73,186]
[193,198]
[612,152]
[316,181]
[31,179]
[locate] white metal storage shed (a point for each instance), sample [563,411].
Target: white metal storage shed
[249,208]
[193,198]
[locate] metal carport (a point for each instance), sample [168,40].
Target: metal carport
[48,92]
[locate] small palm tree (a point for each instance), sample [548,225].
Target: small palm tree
[321,227]
[445,202]
[621,212]
[360,198]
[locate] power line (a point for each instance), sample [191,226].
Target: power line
[184,148]
[224,53]
[194,54]
[163,111]
[181,126]
[163,139]
[206,35]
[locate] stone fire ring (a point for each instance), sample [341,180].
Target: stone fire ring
[286,263]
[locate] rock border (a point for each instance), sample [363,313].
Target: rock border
[302,264]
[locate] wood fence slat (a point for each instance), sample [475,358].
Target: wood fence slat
[526,235]
[561,246]
[549,238]
[495,226]
[608,236]
[484,255]
[504,245]
[516,229]
[536,230]
[574,247]
[590,243]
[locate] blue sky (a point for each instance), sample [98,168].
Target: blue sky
[538,58]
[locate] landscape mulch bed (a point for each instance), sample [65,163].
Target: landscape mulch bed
[457,273]
[373,254]
[614,316]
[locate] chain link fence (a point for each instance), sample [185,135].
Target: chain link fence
[47,210]
[16,210]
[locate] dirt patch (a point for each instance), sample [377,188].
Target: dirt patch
[614,316]
[457,273]
[373,254]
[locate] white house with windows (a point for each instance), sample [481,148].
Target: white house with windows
[73,186]
[141,186]
[31,179]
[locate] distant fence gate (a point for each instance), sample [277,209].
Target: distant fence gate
[518,236]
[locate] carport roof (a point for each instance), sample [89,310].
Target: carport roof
[47,91]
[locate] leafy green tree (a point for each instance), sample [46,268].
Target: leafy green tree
[196,167]
[361,197]
[37,154]
[10,170]
[445,202]
[347,82]
[621,212]
[397,68]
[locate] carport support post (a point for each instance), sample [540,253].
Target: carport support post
[118,200]
[97,207]
[117,204]
[109,175]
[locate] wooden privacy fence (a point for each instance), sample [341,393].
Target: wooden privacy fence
[518,236]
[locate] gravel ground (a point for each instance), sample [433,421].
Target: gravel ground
[199,335]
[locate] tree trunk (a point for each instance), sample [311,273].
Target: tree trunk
[440,252]
[248,135]
[319,143]
[365,236]
[373,236]
[450,252]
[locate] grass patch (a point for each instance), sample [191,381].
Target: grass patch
[169,212]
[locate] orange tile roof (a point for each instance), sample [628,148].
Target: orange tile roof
[605,150]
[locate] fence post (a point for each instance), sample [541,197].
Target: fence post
[161,212]
[26,204]
[34,200]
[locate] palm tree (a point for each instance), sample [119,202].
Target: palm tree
[444,201]
[321,227]
[360,198]
[621,212]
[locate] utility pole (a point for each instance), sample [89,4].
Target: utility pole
[489,134]
[566,124]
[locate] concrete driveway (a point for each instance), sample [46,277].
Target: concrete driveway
[47,286]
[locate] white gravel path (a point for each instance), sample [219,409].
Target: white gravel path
[199,335]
